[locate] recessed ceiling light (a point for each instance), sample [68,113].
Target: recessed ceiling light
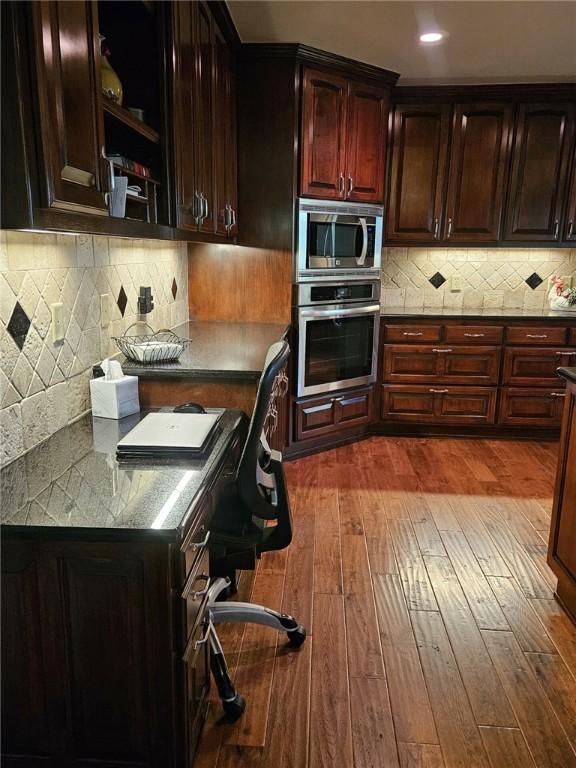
[431,37]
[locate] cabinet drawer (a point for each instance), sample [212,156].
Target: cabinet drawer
[539,336]
[473,334]
[405,334]
[439,405]
[323,415]
[195,589]
[572,336]
[535,367]
[531,407]
[197,672]
[442,364]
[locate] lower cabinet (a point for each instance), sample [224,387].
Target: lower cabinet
[441,363]
[319,416]
[531,407]
[535,366]
[438,405]
[562,544]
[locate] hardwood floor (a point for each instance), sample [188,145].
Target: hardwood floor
[418,567]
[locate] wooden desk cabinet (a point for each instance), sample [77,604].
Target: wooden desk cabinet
[562,544]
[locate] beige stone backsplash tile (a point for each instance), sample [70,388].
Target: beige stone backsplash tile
[40,270]
[11,434]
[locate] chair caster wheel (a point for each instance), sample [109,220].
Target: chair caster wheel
[296,637]
[234,709]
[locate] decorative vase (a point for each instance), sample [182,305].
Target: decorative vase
[559,303]
[111,85]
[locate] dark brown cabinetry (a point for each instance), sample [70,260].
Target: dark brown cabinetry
[71,127]
[484,374]
[478,165]
[343,138]
[205,109]
[540,161]
[562,543]
[417,172]
[319,416]
[570,217]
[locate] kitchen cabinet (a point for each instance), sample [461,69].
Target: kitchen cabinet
[70,118]
[417,172]
[534,366]
[540,160]
[531,407]
[438,404]
[320,416]
[204,126]
[343,138]
[562,542]
[442,364]
[570,217]
[477,175]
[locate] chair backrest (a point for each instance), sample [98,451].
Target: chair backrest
[254,456]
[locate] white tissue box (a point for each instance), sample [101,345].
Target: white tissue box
[114,398]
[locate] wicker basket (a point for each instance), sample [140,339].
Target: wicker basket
[162,346]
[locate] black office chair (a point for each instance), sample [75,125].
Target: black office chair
[238,534]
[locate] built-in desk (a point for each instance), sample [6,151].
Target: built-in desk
[100,656]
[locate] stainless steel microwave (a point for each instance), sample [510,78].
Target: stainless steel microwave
[338,240]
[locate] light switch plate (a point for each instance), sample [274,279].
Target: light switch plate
[58,330]
[105,310]
[456,283]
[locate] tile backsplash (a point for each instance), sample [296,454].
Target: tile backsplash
[44,385]
[490,277]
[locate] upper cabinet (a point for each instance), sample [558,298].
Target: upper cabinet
[542,148]
[70,121]
[204,122]
[417,172]
[477,176]
[478,171]
[343,138]
[570,218]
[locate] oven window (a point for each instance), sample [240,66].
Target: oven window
[333,240]
[338,349]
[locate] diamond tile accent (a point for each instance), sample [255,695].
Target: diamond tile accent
[122,300]
[534,280]
[174,288]
[18,325]
[437,280]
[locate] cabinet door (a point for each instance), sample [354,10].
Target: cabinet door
[315,417]
[418,172]
[570,218]
[204,138]
[449,365]
[224,137]
[438,404]
[323,135]
[535,367]
[354,407]
[366,142]
[70,115]
[184,57]
[531,407]
[478,164]
[563,533]
[540,155]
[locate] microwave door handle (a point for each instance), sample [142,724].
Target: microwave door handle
[362,258]
[373,309]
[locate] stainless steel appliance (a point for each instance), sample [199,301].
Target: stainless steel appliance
[338,240]
[337,335]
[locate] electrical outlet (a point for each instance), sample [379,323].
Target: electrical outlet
[105,310]
[456,283]
[58,329]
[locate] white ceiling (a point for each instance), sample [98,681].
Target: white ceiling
[487,42]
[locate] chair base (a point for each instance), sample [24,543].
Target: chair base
[241,613]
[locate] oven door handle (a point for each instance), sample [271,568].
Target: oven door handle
[362,258]
[336,313]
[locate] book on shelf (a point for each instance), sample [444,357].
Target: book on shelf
[130,165]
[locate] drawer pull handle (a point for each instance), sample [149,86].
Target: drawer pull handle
[435,349]
[439,391]
[191,647]
[337,399]
[536,335]
[565,353]
[413,333]
[557,394]
[474,335]
[189,592]
[200,544]
[201,592]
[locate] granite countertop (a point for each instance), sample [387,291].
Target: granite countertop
[438,313]
[568,373]
[219,350]
[73,480]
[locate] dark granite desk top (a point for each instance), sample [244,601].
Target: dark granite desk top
[568,373]
[73,480]
[438,313]
[217,351]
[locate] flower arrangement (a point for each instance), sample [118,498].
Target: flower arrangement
[561,296]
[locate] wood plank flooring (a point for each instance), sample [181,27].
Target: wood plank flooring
[418,567]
